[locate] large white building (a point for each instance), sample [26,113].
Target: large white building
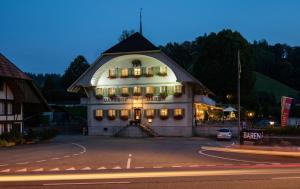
[135,82]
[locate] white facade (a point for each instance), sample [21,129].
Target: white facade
[11,114]
[134,84]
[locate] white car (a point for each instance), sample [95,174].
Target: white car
[224,134]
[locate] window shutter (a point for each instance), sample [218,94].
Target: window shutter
[183,112]
[183,89]
[156,90]
[130,72]
[170,90]
[105,92]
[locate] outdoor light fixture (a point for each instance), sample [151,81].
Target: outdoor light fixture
[149,120]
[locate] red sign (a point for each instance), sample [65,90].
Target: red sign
[286,103]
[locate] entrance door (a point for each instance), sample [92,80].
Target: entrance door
[137,115]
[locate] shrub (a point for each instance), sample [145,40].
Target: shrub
[31,135]
[48,134]
[4,143]
[12,136]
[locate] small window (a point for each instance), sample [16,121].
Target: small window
[99,114]
[124,91]
[137,91]
[150,113]
[111,92]
[124,72]
[149,71]
[9,108]
[178,113]
[99,92]
[112,73]
[124,115]
[149,91]
[164,113]
[162,71]
[2,108]
[178,90]
[137,71]
[163,92]
[111,114]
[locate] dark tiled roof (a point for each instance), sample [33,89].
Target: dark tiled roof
[136,42]
[8,69]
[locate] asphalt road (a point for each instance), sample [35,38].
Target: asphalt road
[93,162]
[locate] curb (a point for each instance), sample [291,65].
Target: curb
[247,151]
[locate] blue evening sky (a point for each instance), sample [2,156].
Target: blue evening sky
[43,36]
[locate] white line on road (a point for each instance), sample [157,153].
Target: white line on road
[84,183]
[194,165]
[128,161]
[1,165]
[22,163]
[38,170]
[157,167]
[139,167]
[80,146]
[21,170]
[176,166]
[71,169]
[117,167]
[230,159]
[101,168]
[54,169]
[66,156]
[40,161]
[55,158]
[75,154]
[5,171]
[86,169]
[284,178]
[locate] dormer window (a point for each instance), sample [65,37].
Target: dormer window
[112,73]
[99,93]
[137,71]
[178,90]
[137,91]
[149,71]
[111,92]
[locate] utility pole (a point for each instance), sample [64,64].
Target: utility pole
[239,95]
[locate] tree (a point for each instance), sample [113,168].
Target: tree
[75,69]
[125,34]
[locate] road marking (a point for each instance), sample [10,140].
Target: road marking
[117,167]
[71,169]
[230,159]
[5,171]
[194,165]
[21,170]
[38,170]
[22,163]
[139,167]
[128,161]
[84,183]
[55,158]
[101,168]
[1,165]
[284,178]
[40,161]
[149,174]
[86,169]
[157,167]
[76,154]
[66,156]
[80,146]
[54,169]
[176,166]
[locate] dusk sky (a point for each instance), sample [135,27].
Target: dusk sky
[42,36]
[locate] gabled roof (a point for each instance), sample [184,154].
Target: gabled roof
[8,69]
[134,43]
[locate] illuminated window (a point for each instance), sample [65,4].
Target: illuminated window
[149,71]
[163,70]
[178,113]
[112,73]
[111,92]
[150,113]
[163,92]
[137,91]
[111,114]
[124,114]
[149,91]
[99,92]
[99,114]
[164,113]
[178,90]
[137,71]
[124,72]
[124,91]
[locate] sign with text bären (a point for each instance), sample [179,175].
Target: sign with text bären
[286,103]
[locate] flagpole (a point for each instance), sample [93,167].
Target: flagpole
[239,95]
